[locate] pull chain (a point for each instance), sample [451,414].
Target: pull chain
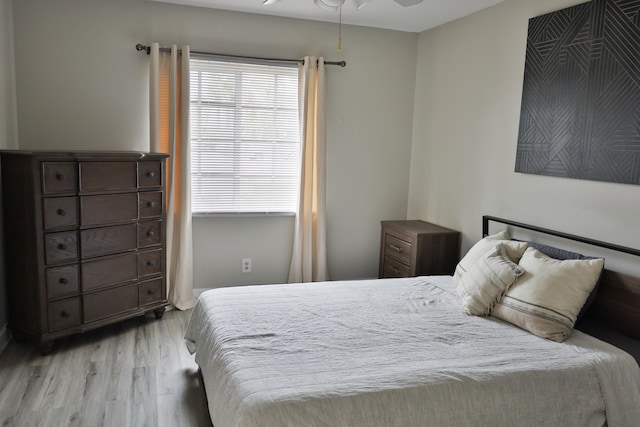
[340,30]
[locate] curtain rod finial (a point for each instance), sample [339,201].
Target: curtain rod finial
[140,47]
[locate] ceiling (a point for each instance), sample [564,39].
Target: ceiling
[379,14]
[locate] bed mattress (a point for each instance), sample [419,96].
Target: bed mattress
[396,352]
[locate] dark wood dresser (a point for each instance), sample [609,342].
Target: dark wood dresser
[84,240]
[417,248]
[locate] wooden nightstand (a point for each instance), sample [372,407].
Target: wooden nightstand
[417,248]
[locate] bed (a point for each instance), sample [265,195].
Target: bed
[403,352]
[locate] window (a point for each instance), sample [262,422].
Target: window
[245,139]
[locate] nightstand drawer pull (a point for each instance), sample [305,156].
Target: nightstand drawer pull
[63,281]
[151,174]
[65,314]
[151,263]
[62,246]
[151,292]
[396,248]
[151,205]
[60,177]
[61,212]
[395,270]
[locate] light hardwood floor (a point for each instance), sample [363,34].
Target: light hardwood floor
[135,373]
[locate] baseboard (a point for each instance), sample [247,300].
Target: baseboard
[5,336]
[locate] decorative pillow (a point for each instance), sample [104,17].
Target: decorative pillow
[562,254]
[513,249]
[487,280]
[548,296]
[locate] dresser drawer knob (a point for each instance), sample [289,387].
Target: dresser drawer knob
[150,234]
[151,292]
[65,314]
[396,248]
[151,204]
[60,176]
[61,212]
[151,263]
[151,174]
[62,246]
[63,281]
[395,270]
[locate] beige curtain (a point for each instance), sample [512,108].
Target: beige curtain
[169,114]
[309,259]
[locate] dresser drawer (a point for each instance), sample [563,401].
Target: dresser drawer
[62,281]
[149,233]
[394,268]
[60,247]
[107,209]
[109,302]
[59,177]
[397,248]
[150,263]
[108,240]
[109,271]
[63,314]
[150,204]
[151,291]
[60,212]
[150,174]
[108,176]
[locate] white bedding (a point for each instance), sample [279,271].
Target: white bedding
[396,352]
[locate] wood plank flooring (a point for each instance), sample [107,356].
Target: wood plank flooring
[135,373]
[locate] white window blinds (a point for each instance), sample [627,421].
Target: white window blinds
[245,138]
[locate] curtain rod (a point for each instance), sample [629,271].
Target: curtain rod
[140,48]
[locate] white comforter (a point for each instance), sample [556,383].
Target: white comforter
[396,352]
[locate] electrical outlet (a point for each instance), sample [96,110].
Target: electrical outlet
[246,265]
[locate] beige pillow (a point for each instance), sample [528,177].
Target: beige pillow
[487,280]
[547,298]
[513,249]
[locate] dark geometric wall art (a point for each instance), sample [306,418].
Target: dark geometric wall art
[580,115]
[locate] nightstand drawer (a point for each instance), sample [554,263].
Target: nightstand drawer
[397,248]
[394,268]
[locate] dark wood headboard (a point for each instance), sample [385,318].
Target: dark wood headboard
[617,304]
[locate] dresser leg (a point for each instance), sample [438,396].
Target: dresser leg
[45,347]
[159,312]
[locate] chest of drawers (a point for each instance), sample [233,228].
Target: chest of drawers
[84,240]
[417,248]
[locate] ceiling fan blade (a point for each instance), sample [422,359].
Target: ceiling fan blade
[406,3]
[359,4]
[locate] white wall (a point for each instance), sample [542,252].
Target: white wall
[8,122]
[468,94]
[82,85]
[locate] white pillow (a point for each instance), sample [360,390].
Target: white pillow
[547,298]
[487,280]
[513,249]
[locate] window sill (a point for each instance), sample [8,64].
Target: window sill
[239,214]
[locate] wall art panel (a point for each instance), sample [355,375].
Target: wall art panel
[580,115]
